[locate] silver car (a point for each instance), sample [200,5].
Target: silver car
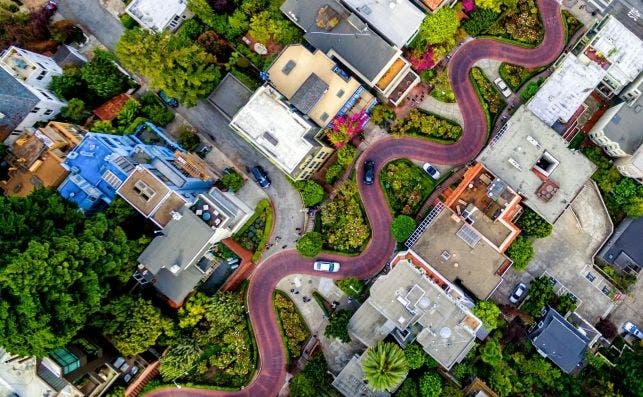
[431,170]
[633,329]
[326,266]
[518,293]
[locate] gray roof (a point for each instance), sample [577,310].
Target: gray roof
[350,381]
[625,244]
[620,9]
[182,242]
[307,96]
[625,126]
[66,55]
[16,101]
[177,288]
[230,96]
[365,51]
[559,341]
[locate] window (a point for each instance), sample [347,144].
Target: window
[35,110]
[340,93]
[590,276]
[113,180]
[41,75]
[145,192]
[48,112]
[606,290]
[324,116]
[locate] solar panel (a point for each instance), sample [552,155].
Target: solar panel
[469,235]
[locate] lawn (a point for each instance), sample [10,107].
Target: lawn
[406,187]
[254,235]
[294,330]
[488,95]
[424,125]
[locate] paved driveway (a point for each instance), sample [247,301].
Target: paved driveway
[94,18]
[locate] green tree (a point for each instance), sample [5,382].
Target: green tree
[103,126]
[75,111]
[303,386]
[495,5]
[402,227]
[188,140]
[337,327]
[430,385]
[67,85]
[351,286]
[102,76]
[202,9]
[345,155]
[415,356]
[565,303]
[382,115]
[479,21]
[521,253]
[437,28]
[541,293]
[629,367]
[181,68]
[625,190]
[491,352]
[334,173]
[232,181]
[500,382]
[384,366]
[634,208]
[128,112]
[180,359]
[134,324]
[533,224]
[311,192]
[409,388]
[489,313]
[310,244]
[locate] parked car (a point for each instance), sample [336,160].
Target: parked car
[369,172]
[261,176]
[633,329]
[500,83]
[506,92]
[168,100]
[326,266]
[431,170]
[518,293]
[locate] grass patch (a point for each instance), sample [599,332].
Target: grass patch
[489,97]
[576,142]
[406,187]
[323,303]
[254,235]
[293,328]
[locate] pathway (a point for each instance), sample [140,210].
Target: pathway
[272,372]
[447,110]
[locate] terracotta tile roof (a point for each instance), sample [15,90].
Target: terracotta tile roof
[109,110]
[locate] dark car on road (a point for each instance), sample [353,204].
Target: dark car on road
[261,176]
[369,172]
[168,100]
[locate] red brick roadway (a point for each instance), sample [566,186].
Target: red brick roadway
[272,372]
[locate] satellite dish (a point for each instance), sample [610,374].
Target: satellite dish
[424,302]
[445,332]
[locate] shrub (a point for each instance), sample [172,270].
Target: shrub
[442,90]
[293,326]
[479,21]
[232,181]
[338,326]
[490,97]
[334,173]
[402,227]
[344,225]
[425,125]
[188,139]
[345,155]
[530,90]
[533,225]
[489,313]
[521,252]
[415,356]
[127,21]
[75,111]
[310,244]
[406,186]
[351,286]
[311,192]
[430,385]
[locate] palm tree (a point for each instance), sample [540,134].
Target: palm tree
[384,366]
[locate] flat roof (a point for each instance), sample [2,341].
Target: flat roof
[333,29]
[350,381]
[396,20]
[293,68]
[625,126]
[272,127]
[409,299]
[517,155]
[230,96]
[154,16]
[474,262]
[628,13]
[566,90]
[622,48]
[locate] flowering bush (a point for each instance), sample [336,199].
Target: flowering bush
[468,5]
[344,128]
[421,62]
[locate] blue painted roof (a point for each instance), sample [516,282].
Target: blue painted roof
[16,101]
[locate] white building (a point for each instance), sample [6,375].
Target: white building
[24,96]
[157,17]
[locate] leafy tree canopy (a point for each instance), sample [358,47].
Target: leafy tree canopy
[384,366]
[402,227]
[489,313]
[430,385]
[338,326]
[232,181]
[437,28]
[311,192]
[521,252]
[310,244]
[533,224]
[495,5]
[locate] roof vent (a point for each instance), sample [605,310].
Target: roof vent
[515,164]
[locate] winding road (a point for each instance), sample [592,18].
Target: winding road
[272,372]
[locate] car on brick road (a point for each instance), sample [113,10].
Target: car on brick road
[326,266]
[369,172]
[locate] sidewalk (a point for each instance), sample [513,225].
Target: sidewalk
[447,110]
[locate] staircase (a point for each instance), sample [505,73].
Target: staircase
[141,381]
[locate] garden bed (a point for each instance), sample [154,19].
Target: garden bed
[489,97]
[442,90]
[406,187]
[294,331]
[424,125]
[515,76]
[521,25]
[254,235]
[572,25]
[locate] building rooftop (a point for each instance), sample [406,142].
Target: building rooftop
[279,133]
[230,96]
[310,92]
[625,126]
[332,29]
[621,48]
[152,15]
[628,12]
[535,161]
[296,66]
[68,56]
[350,381]
[566,90]
[624,249]
[16,101]
[558,340]
[460,254]
[110,109]
[411,301]
[396,20]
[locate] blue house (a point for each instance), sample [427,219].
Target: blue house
[149,170]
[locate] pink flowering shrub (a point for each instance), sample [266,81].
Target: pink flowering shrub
[344,128]
[468,5]
[421,62]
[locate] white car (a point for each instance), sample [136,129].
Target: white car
[326,266]
[500,83]
[431,170]
[633,330]
[518,293]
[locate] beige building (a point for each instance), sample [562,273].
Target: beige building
[287,139]
[414,302]
[311,83]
